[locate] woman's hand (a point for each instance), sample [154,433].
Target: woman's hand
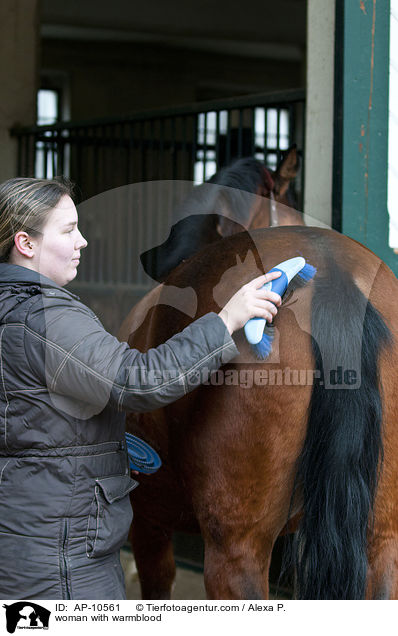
[251,302]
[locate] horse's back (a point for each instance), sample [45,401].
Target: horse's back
[230,448]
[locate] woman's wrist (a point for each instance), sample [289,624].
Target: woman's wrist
[224,317]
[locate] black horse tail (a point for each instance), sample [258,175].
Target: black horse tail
[340,462]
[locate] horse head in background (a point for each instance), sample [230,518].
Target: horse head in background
[245,195]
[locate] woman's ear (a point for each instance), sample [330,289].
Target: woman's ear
[23,244]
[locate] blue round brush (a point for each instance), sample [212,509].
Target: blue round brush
[142,457]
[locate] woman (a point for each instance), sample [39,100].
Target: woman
[65,383]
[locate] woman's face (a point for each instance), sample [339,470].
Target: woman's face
[57,253]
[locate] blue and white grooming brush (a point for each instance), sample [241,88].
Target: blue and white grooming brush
[142,457]
[254,328]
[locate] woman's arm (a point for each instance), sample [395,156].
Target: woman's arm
[72,355]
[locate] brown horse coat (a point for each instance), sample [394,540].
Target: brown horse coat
[230,449]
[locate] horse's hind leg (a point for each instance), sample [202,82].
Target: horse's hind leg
[236,571]
[382,576]
[383,569]
[153,551]
[382,580]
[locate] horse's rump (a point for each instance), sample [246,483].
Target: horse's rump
[231,448]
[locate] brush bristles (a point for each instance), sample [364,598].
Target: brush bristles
[264,347]
[307,272]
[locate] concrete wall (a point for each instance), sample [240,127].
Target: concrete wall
[319,112]
[259,52]
[117,78]
[19,38]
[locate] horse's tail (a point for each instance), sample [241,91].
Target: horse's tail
[340,461]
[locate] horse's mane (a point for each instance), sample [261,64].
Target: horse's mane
[227,188]
[244,174]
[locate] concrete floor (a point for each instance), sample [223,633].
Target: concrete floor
[188,584]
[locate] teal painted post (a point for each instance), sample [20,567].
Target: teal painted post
[364,83]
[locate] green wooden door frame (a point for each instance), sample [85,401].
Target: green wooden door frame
[360,162]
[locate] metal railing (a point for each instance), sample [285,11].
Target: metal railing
[179,145]
[163,144]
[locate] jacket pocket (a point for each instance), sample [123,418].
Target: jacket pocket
[110,515]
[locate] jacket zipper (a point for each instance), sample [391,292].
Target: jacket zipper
[64,561]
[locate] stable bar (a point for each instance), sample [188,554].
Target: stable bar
[158,135]
[233,103]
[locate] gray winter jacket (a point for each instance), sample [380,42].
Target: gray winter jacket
[64,478]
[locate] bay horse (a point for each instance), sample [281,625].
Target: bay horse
[310,443]
[224,206]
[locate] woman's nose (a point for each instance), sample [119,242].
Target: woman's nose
[81,242]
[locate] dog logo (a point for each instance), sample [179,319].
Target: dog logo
[26,615]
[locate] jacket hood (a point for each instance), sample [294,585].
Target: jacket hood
[18,283]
